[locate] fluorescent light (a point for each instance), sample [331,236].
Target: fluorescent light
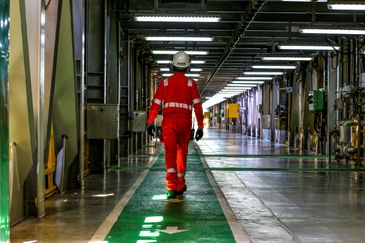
[242,85]
[197,62]
[287,58]
[196,69]
[168,62]
[332,31]
[274,66]
[247,82]
[172,52]
[232,89]
[177,38]
[194,19]
[163,62]
[186,74]
[192,75]
[213,101]
[263,73]
[164,69]
[349,6]
[254,78]
[308,47]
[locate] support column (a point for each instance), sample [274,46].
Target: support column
[4,124]
[333,84]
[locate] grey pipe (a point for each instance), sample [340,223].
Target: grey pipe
[40,116]
[82,102]
[105,142]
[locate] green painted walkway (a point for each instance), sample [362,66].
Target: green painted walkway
[149,217]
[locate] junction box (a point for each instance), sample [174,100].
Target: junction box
[316,100]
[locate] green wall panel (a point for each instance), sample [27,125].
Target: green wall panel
[4,124]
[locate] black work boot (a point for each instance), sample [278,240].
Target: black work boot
[181,192]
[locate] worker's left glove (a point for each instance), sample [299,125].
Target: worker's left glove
[151,130]
[199,134]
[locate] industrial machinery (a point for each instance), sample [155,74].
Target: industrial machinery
[348,133]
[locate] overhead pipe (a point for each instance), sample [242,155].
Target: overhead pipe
[232,48]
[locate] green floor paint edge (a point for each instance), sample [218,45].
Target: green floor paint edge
[249,156]
[292,170]
[200,212]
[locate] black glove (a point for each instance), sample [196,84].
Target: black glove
[199,134]
[151,130]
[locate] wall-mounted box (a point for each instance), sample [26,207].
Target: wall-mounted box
[102,121]
[316,100]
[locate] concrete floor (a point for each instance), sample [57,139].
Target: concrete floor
[272,206]
[277,206]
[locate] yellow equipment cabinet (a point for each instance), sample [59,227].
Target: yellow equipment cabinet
[232,111]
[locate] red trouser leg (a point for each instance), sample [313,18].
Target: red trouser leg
[176,134]
[182,153]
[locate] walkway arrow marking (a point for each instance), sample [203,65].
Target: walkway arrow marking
[172,230]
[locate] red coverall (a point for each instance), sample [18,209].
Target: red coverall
[177,95]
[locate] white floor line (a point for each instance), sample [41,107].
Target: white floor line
[238,232]
[110,220]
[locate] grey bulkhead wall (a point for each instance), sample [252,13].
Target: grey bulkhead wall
[65,101]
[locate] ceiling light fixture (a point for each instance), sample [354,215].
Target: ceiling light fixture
[324,31]
[194,19]
[263,73]
[168,62]
[247,82]
[242,85]
[177,38]
[192,75]
[283,58]
[254,78]
[197,62]
[213,101]
[186,74]
[273,66]
[355,5]
[164,69]
[195,69]
[309,47]
[235,88]
[163,61]
[172,52]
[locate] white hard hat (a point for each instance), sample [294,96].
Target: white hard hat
[181,60]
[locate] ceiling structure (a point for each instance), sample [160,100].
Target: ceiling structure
[247,30]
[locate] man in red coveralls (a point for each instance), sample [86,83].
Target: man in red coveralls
[177,95]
